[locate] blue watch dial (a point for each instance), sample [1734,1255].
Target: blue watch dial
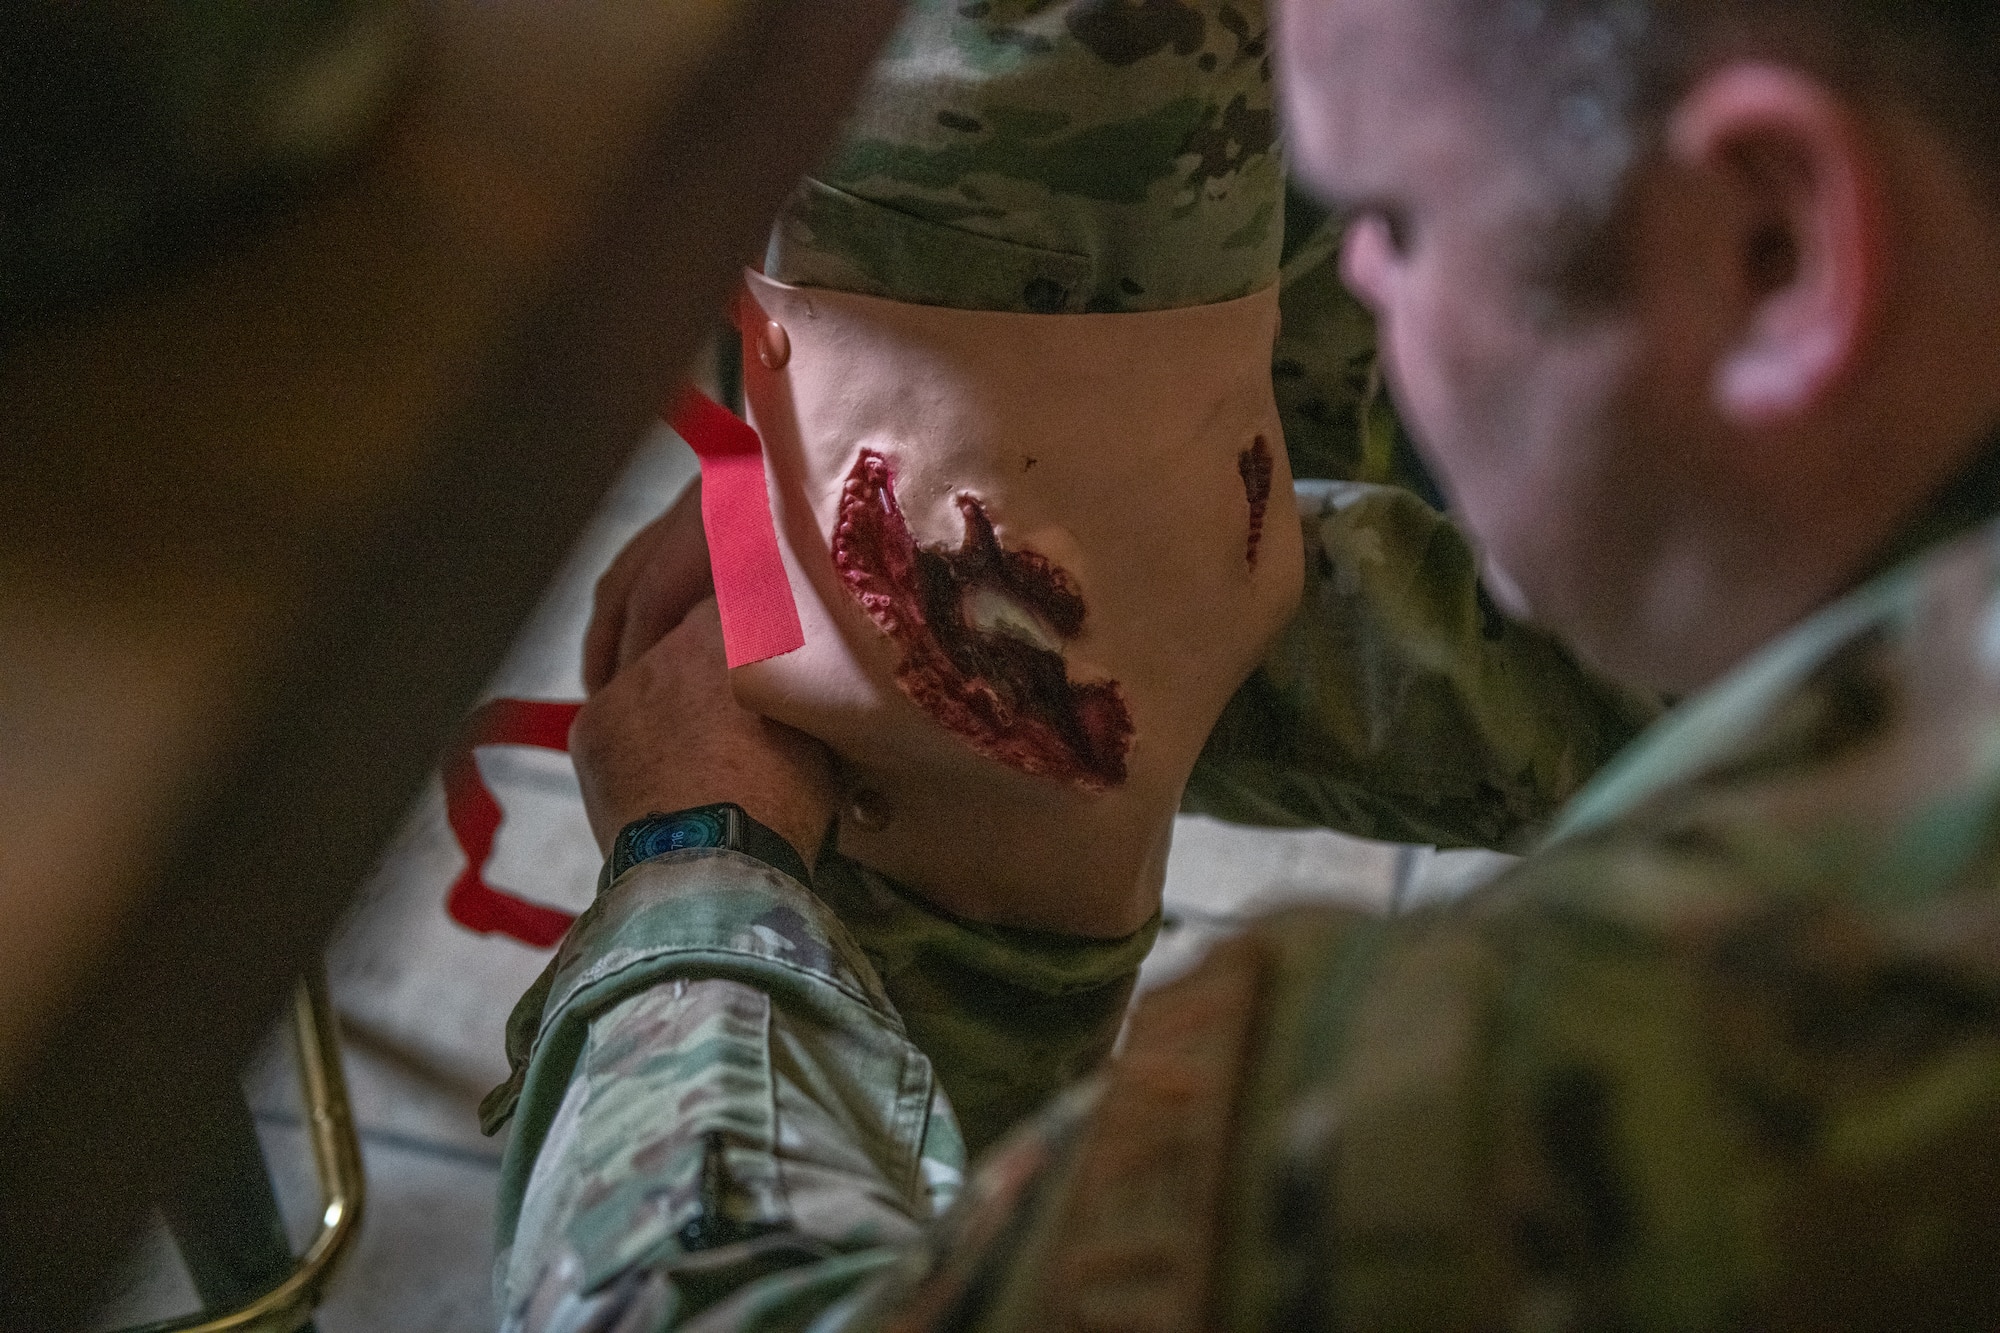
[644,839]
[722,826]
[702,829]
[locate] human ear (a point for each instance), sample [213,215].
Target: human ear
[1366,260]
[1809,237]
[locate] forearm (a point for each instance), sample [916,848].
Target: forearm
[718,1112]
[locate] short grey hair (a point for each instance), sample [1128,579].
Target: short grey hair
[1585,85]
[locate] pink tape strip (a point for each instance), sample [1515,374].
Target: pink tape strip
[759,618]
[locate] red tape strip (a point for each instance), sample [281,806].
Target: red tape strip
[752,590]
[759,620]
[475,818]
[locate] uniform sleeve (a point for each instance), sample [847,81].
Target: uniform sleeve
[1008,1017]
[720,1122]
[1399,703]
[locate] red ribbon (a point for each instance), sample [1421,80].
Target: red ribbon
[759,620]
[475,818]
[752,590]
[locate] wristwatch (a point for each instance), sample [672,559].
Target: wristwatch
[723,826]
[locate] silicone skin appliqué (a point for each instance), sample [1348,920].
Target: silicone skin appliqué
[1033,557]
[1010,697]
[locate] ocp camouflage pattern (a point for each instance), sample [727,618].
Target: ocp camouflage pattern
[1053,156]
[712,1088]
[1724,1055]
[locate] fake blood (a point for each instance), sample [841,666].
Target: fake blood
[1010,698]
[1256,466]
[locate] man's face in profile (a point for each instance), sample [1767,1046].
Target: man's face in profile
[1515,401]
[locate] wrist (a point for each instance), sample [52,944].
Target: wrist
[722,826]
[800,818]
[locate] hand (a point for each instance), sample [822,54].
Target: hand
[667,734]
[650,588]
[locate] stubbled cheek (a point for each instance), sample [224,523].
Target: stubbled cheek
[980,628]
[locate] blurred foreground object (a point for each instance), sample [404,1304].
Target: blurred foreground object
[134,132]
[274,498]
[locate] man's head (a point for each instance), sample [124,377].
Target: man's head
[1692,302]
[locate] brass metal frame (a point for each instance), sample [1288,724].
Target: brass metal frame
[336,1149]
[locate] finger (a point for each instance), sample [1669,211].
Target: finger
[607,614]
[810,756]
[677,576]
[694,645]
[703,625]
[659,604]
[600,644]
[646,590]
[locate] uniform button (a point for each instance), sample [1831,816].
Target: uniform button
[774,346]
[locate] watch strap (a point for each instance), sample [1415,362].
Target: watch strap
[769,846]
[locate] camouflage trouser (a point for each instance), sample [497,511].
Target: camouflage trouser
[1080,155]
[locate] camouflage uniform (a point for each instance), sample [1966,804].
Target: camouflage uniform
[737,1094]
[1725,1053]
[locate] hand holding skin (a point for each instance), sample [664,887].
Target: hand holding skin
[654,583]
[665,733]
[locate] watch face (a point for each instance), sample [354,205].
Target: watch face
[723,825]
[701,828]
